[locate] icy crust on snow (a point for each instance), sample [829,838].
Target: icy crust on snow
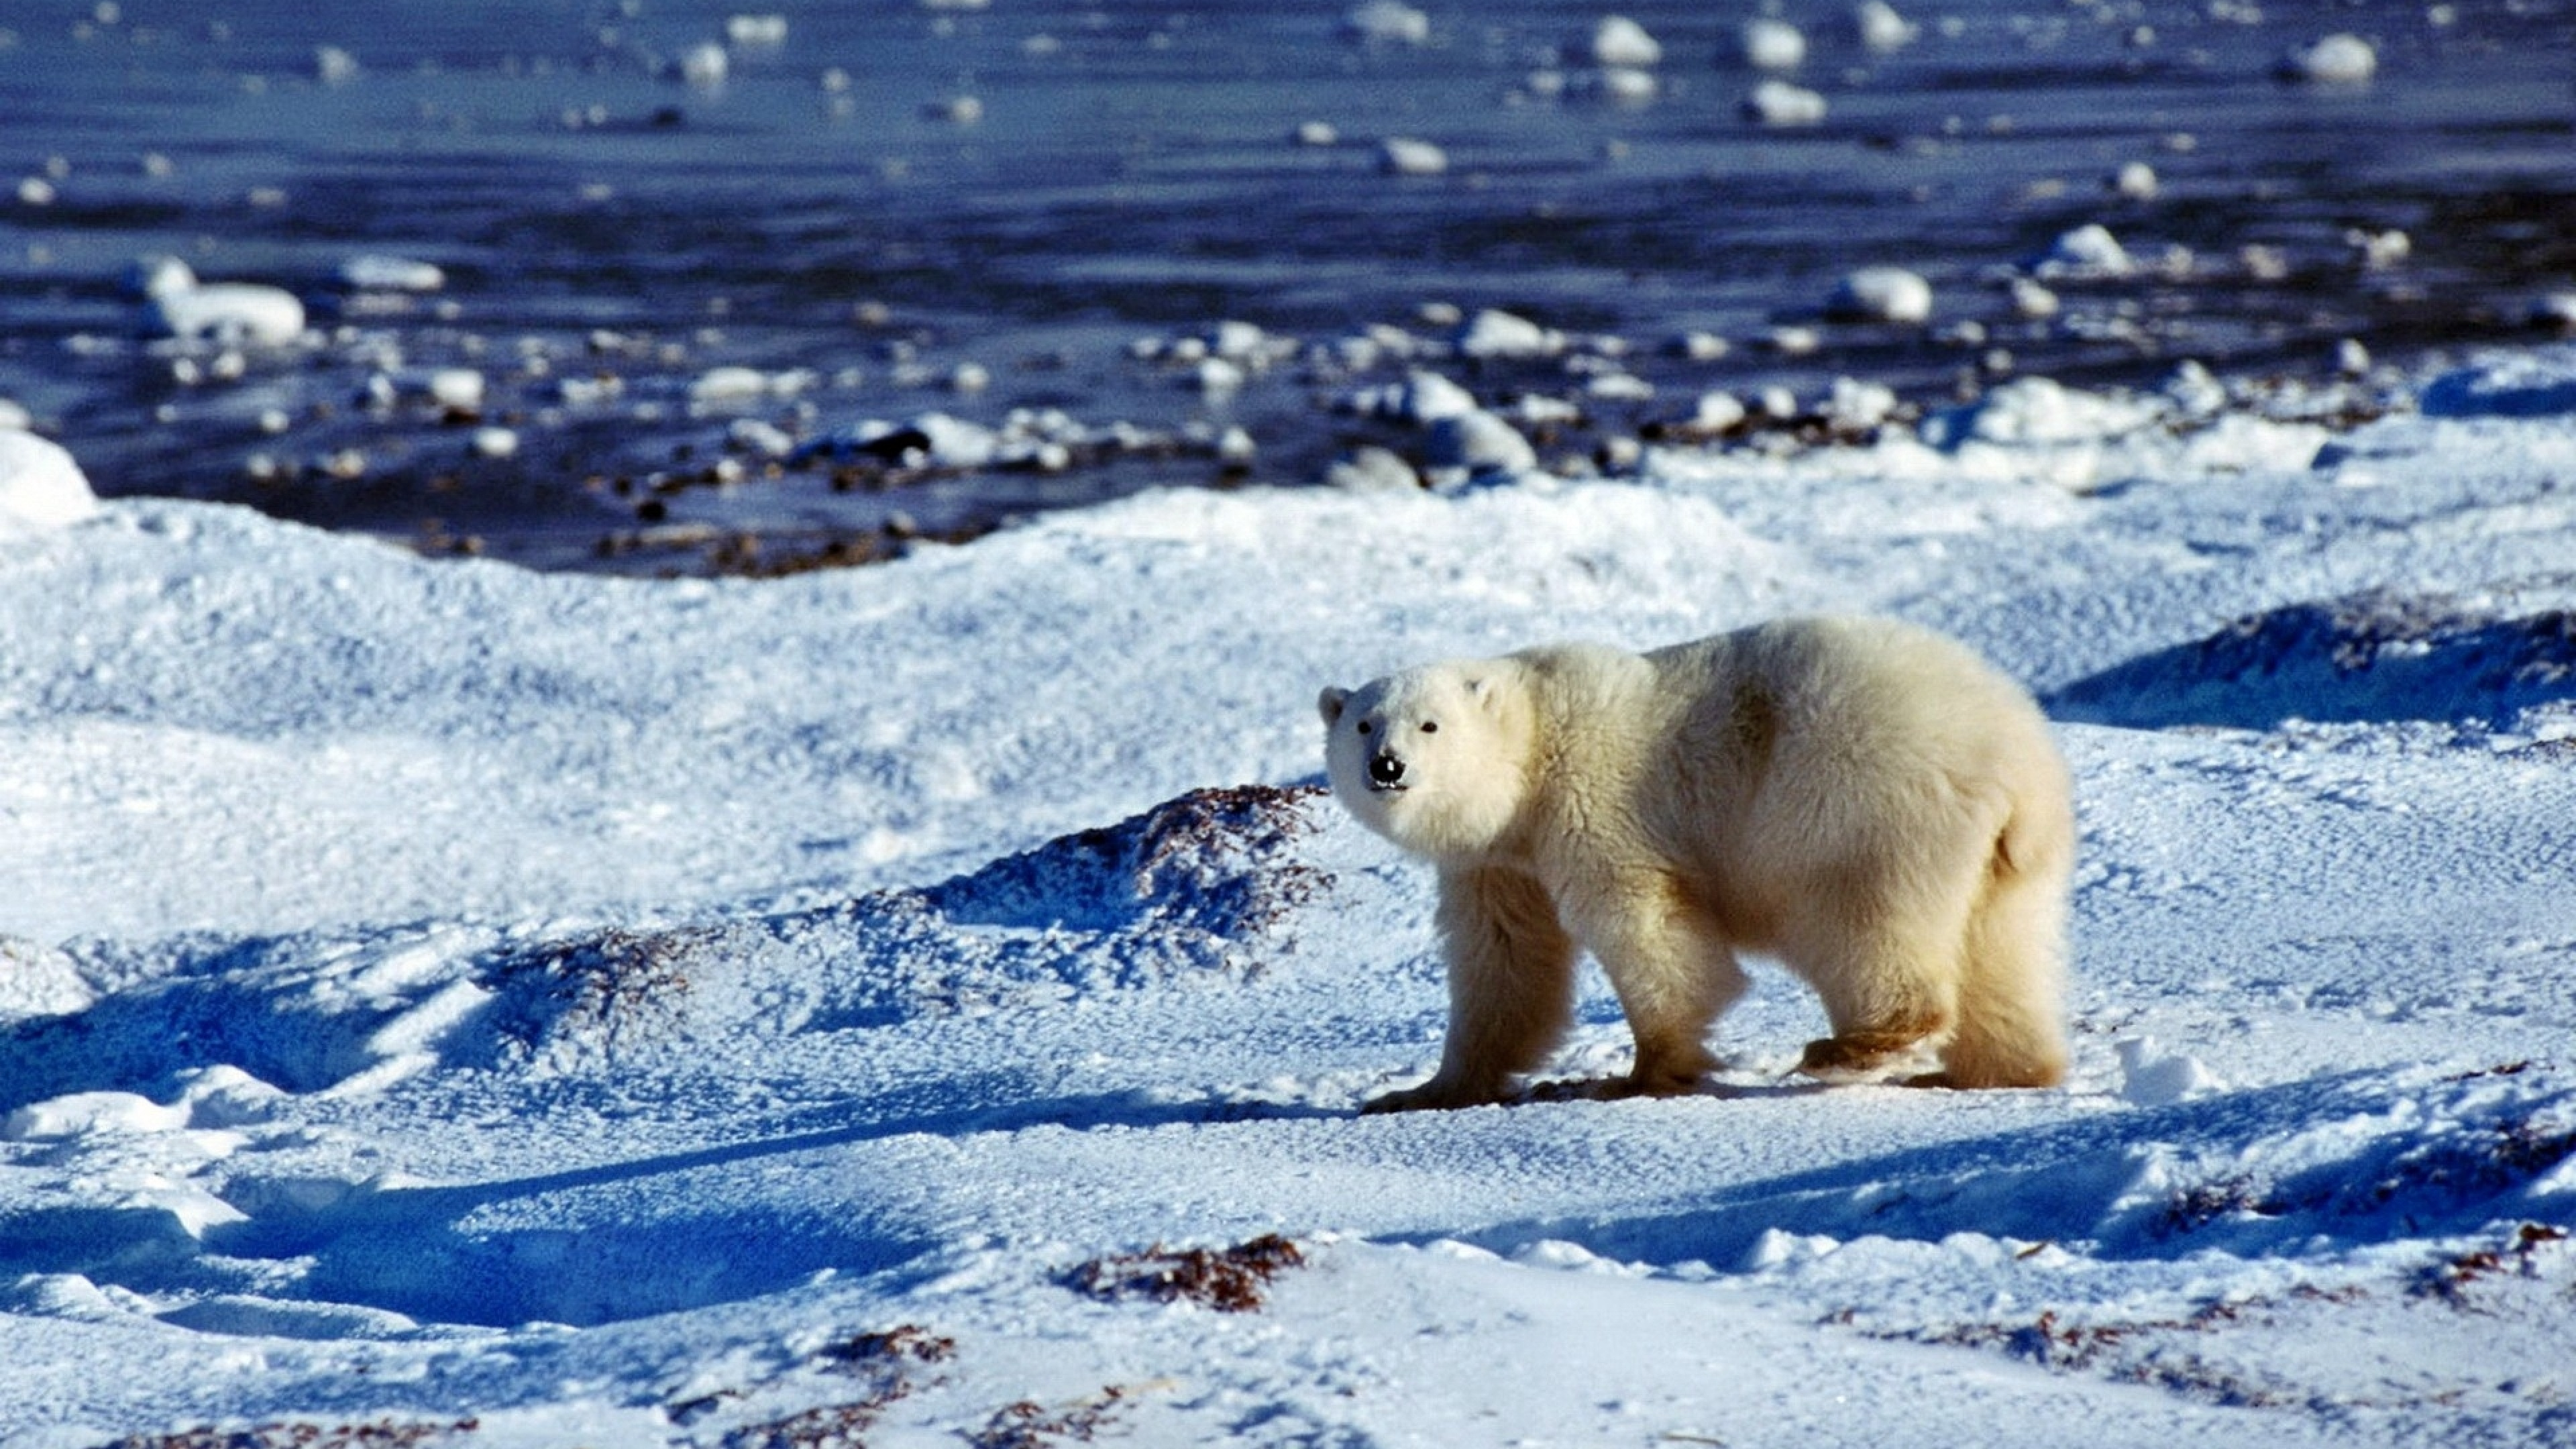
[2378,656]
[723,1015]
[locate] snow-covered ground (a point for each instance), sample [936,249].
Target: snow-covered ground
[449,1004]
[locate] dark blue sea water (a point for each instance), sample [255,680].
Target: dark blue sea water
[611,232]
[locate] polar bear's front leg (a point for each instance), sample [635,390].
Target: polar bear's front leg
[1511,987]
[1673,970]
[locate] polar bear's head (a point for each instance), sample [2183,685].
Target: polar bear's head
[1434,758]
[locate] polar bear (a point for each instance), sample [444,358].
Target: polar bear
[1865,801]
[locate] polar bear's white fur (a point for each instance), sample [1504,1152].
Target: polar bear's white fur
[1866,801]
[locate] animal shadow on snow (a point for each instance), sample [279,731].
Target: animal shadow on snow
[2149,1183]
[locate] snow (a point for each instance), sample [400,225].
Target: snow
[689,1012]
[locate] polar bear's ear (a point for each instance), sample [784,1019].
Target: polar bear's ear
[1481,690]
[1329,703]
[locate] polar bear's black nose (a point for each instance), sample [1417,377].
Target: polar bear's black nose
[1385,770]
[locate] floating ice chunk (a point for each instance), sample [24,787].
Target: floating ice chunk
[1216,376]
[233,312]
[1387,22]
[956,110]
[35,981]
[2088,251]
[36,191]
[956,4]
[1619,387]
[12,415]
[2135,180]
[705,64]
[1778,103]
[1316,133]
[765,438]
[2031,300]
[1773,44]
[1881,28]
[1882,294]
[1372,469]
[378,272]
[2263,263]
[495,443]
[2153,1077]
[1794,341]
[1538,410]
[1406,156]
[333,66]
[2339,59]
[727,385]
[2380,249]
[1627,85]
[1495,333]
[2351,358]
[458,389]
[1478,442]
[1618,40]
[1698,347]
[2555,310]
[756,29]
[40,488]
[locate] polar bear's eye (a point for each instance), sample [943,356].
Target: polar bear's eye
[1364,726]
[1431,727]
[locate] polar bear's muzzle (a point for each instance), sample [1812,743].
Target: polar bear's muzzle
[1385,773]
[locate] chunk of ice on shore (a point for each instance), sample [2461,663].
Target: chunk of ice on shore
[1372,469]
[1495,333]
[2038,411]
[1423,397]
[1478,443]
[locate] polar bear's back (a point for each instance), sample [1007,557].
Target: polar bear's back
[1810,742]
